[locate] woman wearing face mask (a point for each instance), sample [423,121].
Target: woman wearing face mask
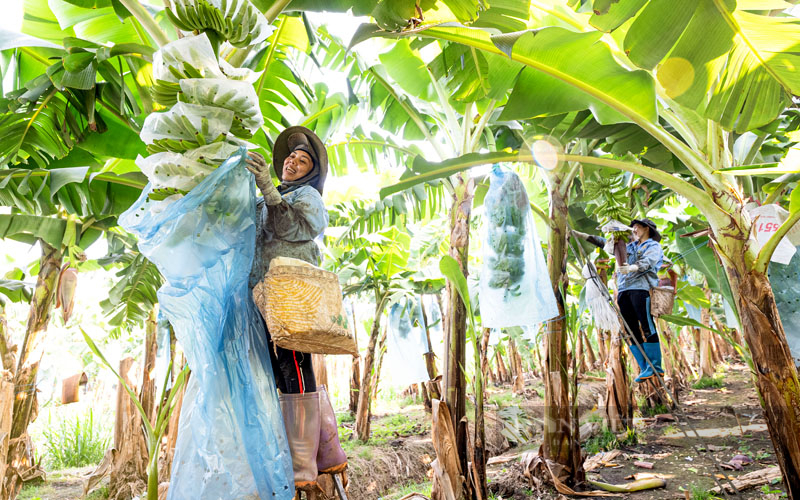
[288,220]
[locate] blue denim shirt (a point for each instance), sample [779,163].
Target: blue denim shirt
[288,230]
[648,256]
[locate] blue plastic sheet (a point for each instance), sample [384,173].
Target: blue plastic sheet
[785,282]
[231,441]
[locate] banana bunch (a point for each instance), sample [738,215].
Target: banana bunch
[192,56]
[159,194]
[173,170]
[179,125]
[237,21]
[181,145]
[213,154]
[212,103]
[165,93]
[237,96]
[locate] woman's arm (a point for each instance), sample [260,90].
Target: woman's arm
[651,256]
[301,219]
[597,241]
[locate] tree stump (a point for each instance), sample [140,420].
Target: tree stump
[129,469]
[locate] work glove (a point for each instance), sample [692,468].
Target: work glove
[628,269]
[257,165]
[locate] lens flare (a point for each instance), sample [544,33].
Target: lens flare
[546,152]
[676,75]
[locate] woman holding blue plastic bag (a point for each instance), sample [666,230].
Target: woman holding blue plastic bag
[289,218]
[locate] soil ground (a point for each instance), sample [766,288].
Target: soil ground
[396,460]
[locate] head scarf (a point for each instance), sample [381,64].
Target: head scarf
[299,142]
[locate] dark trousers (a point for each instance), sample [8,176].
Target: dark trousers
[635,308]
[293,370]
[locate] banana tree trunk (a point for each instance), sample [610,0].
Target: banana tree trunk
[455,358]
[147,394]
[365,392]
[501,368]
[676,365]
[430,360]
[517,377]
[42,300]
[20,453]
[377,375]
[618,408]
[559,444]
[776,375]
[355,369]
[7,357]
[591,359]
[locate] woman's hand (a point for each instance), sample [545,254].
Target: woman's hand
[259,168]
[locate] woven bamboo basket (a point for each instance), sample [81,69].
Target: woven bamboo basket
[302,306]
[662,298]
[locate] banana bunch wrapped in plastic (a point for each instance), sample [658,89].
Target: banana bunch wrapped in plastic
[237,21]
[212,105]
[237,96]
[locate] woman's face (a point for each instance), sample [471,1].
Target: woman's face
[297,165]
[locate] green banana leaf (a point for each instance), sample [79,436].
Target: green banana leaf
[748,62]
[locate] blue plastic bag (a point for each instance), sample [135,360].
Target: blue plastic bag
[515,288]
[231,440]
[785,282]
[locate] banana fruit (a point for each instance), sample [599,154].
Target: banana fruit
[237,96]
[237,21]
[212,104]
[165,93]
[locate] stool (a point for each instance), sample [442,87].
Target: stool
[315,494]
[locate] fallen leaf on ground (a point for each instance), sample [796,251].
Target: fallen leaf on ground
[601,459]
[691,402]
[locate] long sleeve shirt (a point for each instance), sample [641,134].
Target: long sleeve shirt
[288,230]
[647,256]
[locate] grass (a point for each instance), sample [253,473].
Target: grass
[607,441]
[423,488]
[76,441]
[35,492]
[345,417]
[670,429]
[504,399]
[698,492]
[652,411]
[392,427]
[98,494]
[706,382]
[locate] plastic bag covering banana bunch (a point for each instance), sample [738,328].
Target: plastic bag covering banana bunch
[189,57]
[234,73]
[185,126]
[515,288]
[231,440]
[237,96]
[407,345]
[213,154]
[605,318]
[173,170]
[237,21]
